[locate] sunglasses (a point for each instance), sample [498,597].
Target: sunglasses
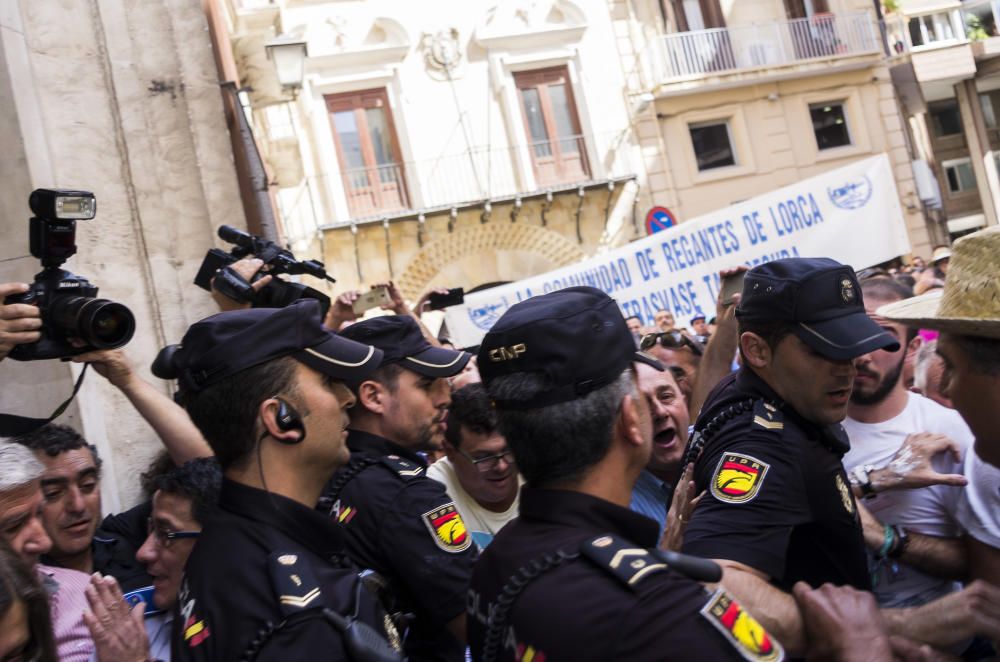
[670,340]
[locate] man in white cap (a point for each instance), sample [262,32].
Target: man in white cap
[967,313]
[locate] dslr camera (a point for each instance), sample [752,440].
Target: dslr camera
[68,303]
[276,294]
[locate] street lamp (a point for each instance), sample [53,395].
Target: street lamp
[288,53]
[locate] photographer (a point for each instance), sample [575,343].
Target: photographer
[19,323]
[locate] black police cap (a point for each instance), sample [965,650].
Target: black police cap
[400,339]
[821,298]
[222,345]
[576,337]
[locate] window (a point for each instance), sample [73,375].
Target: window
[989,117]
[932,28]
[829,125]
[959,174]
[713,144]
[558,151]
[369,155]
[945,117]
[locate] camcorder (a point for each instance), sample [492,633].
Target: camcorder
[68,303]
[276,294]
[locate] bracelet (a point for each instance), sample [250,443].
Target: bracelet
[890,537]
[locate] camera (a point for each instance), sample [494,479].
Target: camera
[276,294]
[68,303]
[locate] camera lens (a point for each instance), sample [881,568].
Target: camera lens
[98,322]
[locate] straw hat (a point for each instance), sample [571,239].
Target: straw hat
[969,304]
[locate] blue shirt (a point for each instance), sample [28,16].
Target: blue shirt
[651,497]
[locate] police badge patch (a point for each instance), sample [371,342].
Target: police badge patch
[447,528]
[738,478]
[741,629]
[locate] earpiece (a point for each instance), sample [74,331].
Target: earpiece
[288,419]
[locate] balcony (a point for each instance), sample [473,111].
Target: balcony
[975,22]
[685,56]
[457,179]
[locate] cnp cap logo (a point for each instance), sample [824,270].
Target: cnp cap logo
[499,354]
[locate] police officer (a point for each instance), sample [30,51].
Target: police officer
[398,521]
[269,577]
[778,507]
[571,578]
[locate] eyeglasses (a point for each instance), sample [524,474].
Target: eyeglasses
[490,462]
[670,340]
[164,536]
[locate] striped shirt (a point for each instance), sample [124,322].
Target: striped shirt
[651,497]
[67,602]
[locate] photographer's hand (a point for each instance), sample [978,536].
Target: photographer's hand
[246,269]
[418,310]
[171,423]
[396,303]
[342,310]
[19,322]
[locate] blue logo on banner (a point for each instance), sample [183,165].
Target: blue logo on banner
[852,195]
[486,316]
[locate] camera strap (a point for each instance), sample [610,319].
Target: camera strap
[13,426]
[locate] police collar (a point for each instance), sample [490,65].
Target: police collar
[306,526]
[832,436]
[366,443]
[587,513]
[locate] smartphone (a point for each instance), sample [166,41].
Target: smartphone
[373,298]
[732,284]
[454,297]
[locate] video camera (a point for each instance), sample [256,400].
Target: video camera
[277,260]
[67,302]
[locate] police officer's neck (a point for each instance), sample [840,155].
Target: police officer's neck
[378,425]
[299,484]
[611,479]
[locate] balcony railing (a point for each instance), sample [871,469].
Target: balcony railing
[973,21]
[715,51]
[454,179]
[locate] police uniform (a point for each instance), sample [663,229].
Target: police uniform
[614,601]
[404,526]
[257,579]
[777,498]
[572,578]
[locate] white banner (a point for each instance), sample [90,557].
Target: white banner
[850,214]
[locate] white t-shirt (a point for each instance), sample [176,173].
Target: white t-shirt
[979,506]
[928,510]
[483,524]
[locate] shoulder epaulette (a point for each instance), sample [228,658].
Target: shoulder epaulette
[623,560]
[293,581]
[767,416]
[404,468]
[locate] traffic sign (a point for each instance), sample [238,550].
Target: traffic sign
[658,219]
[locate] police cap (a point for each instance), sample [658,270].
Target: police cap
[576,337]
[401,341]
[224,344]
[821,298]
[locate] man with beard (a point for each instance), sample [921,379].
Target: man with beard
[901,440]
[779,509]
[398,521]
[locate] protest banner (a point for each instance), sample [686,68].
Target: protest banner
[850,214]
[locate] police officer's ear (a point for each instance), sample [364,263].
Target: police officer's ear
[373,396]
[281,421]
[630,419]
[756,352]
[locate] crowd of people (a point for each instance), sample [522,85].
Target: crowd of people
[812,473]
